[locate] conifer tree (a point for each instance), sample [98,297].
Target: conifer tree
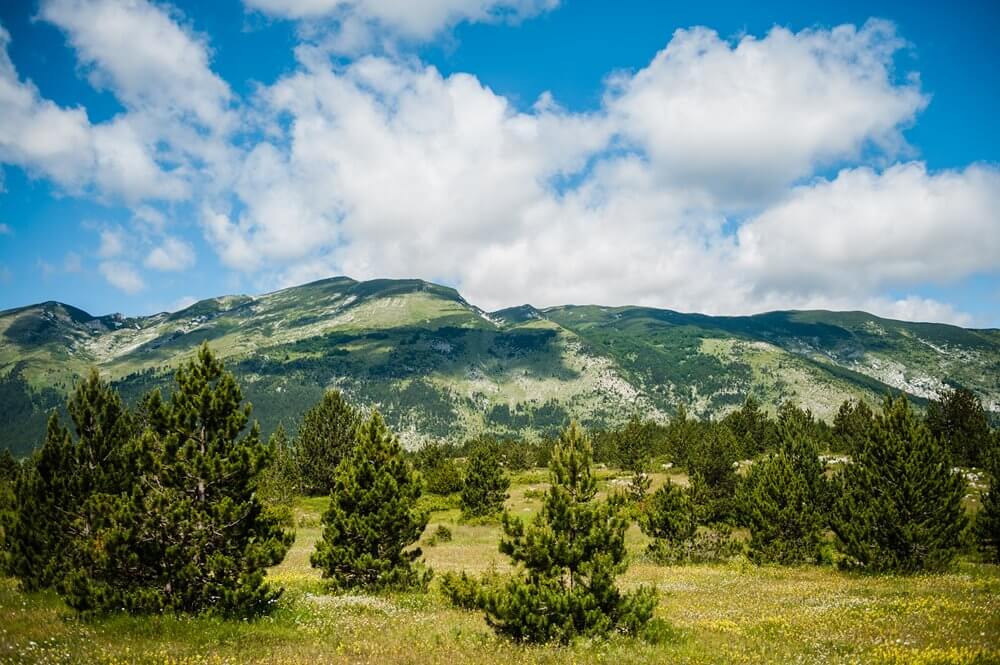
[324,438]
[988,518]
[852,424]
[8,513]
[899,505]
[569,557]
[192,536]
[783,500]
[440,473]
[712,471]
[754,431]
[372,518]
[280,481]
[670,521]
[52,492]
[9,467]
[486,484]
[635,449]
[958,418]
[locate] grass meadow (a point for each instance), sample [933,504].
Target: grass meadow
[733,612]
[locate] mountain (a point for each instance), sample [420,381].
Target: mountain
[439,367]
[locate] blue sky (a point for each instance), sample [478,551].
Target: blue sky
[785,155]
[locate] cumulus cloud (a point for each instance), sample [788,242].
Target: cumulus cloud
[172,254]
[122,276]
[352,25]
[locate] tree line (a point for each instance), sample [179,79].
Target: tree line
[178,505]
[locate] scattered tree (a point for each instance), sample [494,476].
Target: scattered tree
[634,444]
[441,474]
[988,518]
[958,418]
[324,438]
[569,557]
[486,484]
[899,505]
[192,536]
[372,518]
[669,519]
[852,425]
[712,471]
[783,500]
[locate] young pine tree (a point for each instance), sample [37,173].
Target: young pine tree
[486,484]
[569,558]
[670,521]
[325,437]
[635,448]
[193,536]
[851,425]
[784,500]
[280,482]
[712,470]
[372,517]
[898,504]
[959,420]
[55,486]
[988,518]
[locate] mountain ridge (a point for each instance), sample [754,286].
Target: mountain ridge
[440,367]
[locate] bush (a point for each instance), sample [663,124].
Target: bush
[486,484]
[442,534]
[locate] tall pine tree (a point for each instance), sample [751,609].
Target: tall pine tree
[958,418]
[192,536]
[988,518]
[485,487]
[324,438]
[372,518]
[569,557]
[64,474]
[784,499]
[899,505]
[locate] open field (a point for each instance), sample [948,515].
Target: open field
[734,612]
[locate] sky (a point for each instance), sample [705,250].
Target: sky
[715,157]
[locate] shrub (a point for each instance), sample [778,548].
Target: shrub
[486,484]
[442,534]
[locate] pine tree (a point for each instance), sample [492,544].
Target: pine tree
[899,505]
[569,557]
[192,536]
[988,518]
[440,473]
[486,484]
[783,500]
[670,521]
[9,467]
[635,448]
[852,425]
[324,438]
[8,514]
[372,517]
[712,472]
[52,492]
[958,418]
[754,431]
[279,483]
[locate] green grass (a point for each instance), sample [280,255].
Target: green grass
[725,613]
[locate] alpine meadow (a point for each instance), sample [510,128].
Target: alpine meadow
[499,331]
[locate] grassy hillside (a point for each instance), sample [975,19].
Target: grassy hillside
[732,612]
[441,368]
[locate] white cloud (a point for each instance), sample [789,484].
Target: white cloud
[172,255]
[108,159]
[122,276]
[743,120]
[112,243]
[72,263]
[352,25]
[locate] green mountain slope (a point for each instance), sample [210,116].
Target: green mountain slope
[438,367]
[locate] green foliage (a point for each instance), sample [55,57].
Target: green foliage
[899,505]
[517,455]
[988,518]
[957,417]
[280,482]
[192,536]
[9,468]
[852,426]
[442,534]
[441,474]
[683,436]
[754,431]
[372,516]
[784,500]
[569,557]
[669,516]
[324,438]
[712,472]
[486,484]
[55,488]
[634,450]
